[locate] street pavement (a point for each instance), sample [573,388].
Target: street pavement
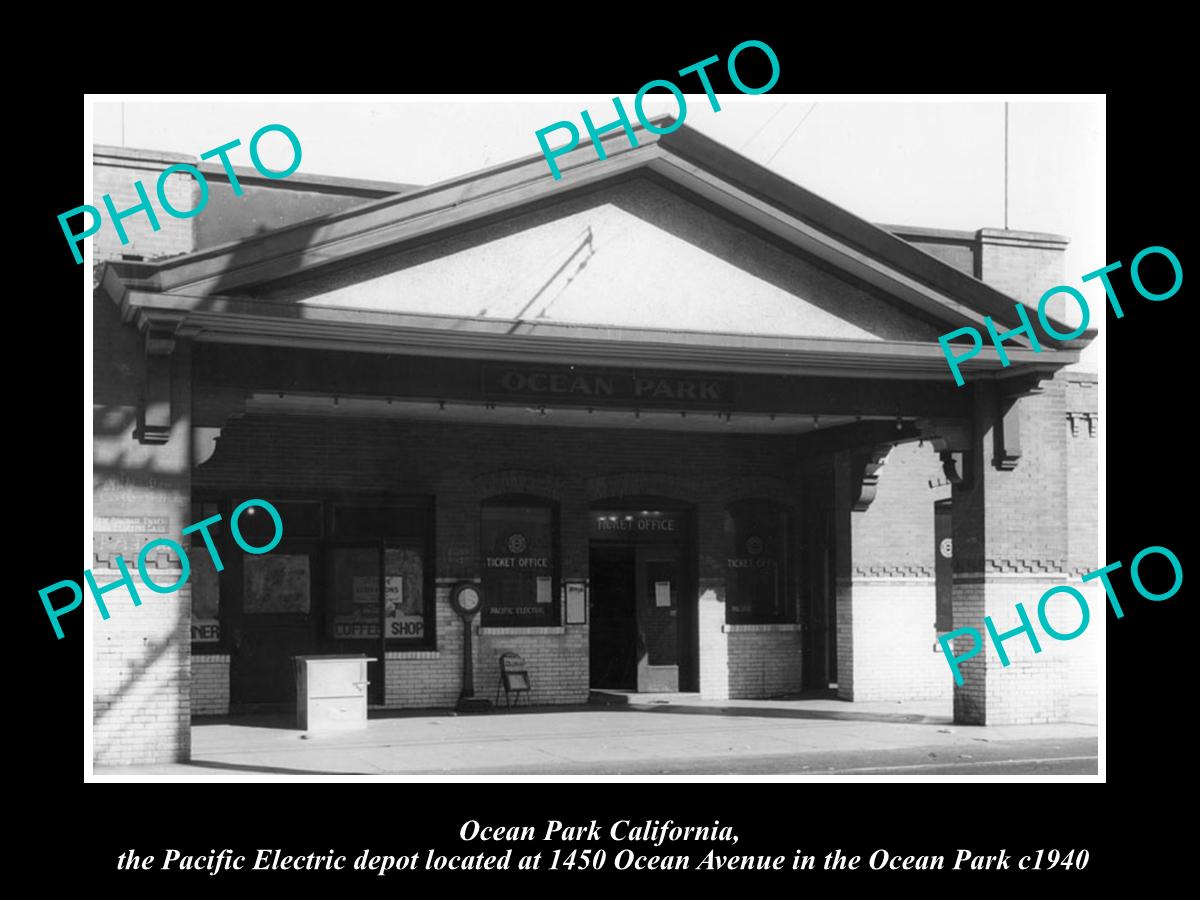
[649,736]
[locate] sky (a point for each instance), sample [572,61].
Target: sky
[933,163]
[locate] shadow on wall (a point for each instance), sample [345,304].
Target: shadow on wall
[146,662]
[653,201]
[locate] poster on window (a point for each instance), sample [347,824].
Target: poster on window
[206,623]
[277,583]
[356,586]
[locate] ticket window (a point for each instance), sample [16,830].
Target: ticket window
[758,570]
[518,541]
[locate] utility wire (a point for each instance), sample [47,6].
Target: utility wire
[793,134]
[1006,166]
[764,125]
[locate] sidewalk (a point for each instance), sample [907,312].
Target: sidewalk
[683,734]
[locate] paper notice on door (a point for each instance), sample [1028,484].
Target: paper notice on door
[576,605]
[543,589]
[662,593]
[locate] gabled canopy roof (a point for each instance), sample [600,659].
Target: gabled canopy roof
[230,293]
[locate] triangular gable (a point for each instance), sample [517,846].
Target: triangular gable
[787,263]
[635,253]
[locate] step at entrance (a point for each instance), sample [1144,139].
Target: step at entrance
[606,697]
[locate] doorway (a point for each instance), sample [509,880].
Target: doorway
[613,617]
[819,635]
[276,618]
[638,634]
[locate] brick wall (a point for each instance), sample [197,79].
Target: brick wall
[1022,264]
[764,660]
[210,684]
[1034,687]
[142,654]
[894,536]
[887,610]
[895,654]
[265,204]
[557,660]
[140,664]
[463,464]
[429,678]
[1082,653]
[115,175]
[1010,545]
[1082,427]
[1082,435]
[1020,514]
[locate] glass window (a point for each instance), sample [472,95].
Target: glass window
[378,521]
[205,581]
[276,584]
[300,520]
[758,563]
[354,580]
[388,539]
[520,583]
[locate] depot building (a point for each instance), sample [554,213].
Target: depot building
[684,425]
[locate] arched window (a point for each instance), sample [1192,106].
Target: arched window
[519,543]
[758,563]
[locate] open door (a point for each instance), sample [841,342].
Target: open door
[659,591]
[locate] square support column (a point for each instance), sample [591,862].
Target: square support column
[1010,546]
[142,464]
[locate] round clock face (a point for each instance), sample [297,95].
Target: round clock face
[468,599]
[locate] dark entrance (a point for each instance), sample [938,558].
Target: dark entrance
[613,617]
[348,577]
[943,538]
[277,619]
[641,607]
[819,613]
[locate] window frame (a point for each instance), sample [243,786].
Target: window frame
[331,540]
[226,500]
[518,500]
[196,545]
[788,562]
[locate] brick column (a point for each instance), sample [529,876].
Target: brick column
[141,491]
[1010,542]
[714,651]
[710,600]
[843,569]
